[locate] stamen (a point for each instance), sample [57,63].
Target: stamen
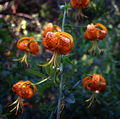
[88,99]
[91,99]
[13,109]
[21,106]
[24,58]
[13,103]
[97,99]
[94,47]
[18,105]
[55,59]
[51,61]
[16,112]
[18,101]
[81,13]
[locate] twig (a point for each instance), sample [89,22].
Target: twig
[4,1]
[26,16]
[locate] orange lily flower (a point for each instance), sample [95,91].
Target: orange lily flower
[80,5]
[95,33]
[95,83]
[24,90]
[29,45]
[58,43]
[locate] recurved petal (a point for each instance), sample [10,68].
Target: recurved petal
[103,32]
[65,43]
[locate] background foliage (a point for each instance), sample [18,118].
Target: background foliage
[29,20]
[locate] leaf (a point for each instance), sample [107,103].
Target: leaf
[39,74]
[70,99]
[76,83]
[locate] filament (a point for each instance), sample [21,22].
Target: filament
[91,99]
[53,60]
[24,58]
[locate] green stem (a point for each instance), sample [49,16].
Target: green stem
[61,75]
[59,100]
[41,81]
[63,21]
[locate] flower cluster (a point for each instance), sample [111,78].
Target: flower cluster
[24,90]
[59,42]
[54,40]
[94,83]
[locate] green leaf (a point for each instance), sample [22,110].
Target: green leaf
[70,99]
[36,73]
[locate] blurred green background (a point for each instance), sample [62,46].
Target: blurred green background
[27,18]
